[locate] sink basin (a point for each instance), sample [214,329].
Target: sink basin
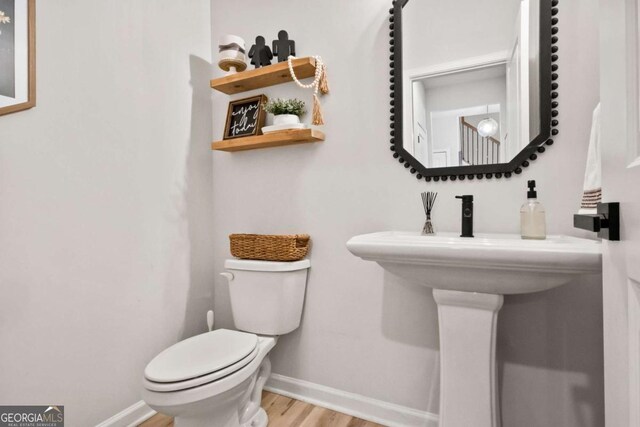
[489,263]
[469,277]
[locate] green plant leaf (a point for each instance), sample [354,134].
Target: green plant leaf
[280,106]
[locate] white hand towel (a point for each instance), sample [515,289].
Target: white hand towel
[592,189]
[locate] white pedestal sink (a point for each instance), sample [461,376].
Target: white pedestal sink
[469,277]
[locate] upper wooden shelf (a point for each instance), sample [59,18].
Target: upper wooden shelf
[265,76]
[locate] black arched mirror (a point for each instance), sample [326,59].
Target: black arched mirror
[473,86]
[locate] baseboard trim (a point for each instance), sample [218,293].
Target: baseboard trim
[130,417]
[377,411]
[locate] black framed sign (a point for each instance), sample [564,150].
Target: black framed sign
[245,117]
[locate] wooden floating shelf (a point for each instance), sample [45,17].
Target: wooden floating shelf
[276,139]
[266,76]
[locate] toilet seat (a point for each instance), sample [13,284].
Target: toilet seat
[205,379]
[201,359]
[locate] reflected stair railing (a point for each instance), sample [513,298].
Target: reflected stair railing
[477,149]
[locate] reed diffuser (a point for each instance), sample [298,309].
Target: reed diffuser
[428,200]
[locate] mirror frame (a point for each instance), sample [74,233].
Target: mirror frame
[548,104]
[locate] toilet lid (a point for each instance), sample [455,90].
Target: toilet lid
[200,355]
[202,380]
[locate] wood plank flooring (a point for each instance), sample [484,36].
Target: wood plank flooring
[286,412]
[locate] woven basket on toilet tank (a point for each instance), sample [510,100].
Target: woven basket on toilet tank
[269,247]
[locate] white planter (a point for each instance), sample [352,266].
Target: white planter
[286,119]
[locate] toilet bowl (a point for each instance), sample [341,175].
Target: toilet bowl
[216,379]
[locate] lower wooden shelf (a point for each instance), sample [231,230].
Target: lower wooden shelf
[275,139]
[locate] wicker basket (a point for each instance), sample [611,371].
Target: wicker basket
[269,247]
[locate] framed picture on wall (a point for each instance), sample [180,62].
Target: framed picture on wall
[17,55]
[245,117]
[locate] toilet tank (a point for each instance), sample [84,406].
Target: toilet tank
[267,296]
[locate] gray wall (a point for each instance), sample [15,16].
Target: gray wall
[105,192]
[363,330]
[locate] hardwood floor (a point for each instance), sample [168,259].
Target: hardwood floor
[286,412]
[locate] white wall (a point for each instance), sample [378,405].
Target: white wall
[417,142]
[366,331]
[105,189]
[474,28]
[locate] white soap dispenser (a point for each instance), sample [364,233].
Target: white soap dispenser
[533,224]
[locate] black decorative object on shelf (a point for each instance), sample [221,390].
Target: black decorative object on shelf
[260,53]
[549,96]
[283,47]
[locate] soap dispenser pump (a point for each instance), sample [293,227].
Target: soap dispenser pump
[532,216]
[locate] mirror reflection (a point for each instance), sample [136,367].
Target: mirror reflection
[473,99]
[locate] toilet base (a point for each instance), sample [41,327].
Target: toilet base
[217,411]
[225,410]
[252,414]
[260,419]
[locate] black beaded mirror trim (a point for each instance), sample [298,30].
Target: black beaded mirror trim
[548,116]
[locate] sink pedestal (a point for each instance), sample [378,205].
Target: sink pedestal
[468,377]
[469,278]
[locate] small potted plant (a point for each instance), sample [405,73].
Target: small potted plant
[285,111]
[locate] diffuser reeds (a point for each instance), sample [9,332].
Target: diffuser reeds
[428,201]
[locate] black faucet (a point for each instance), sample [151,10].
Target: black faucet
[467,215]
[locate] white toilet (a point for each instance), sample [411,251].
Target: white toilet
[216,379]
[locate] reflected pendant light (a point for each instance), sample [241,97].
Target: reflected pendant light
[487,127]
